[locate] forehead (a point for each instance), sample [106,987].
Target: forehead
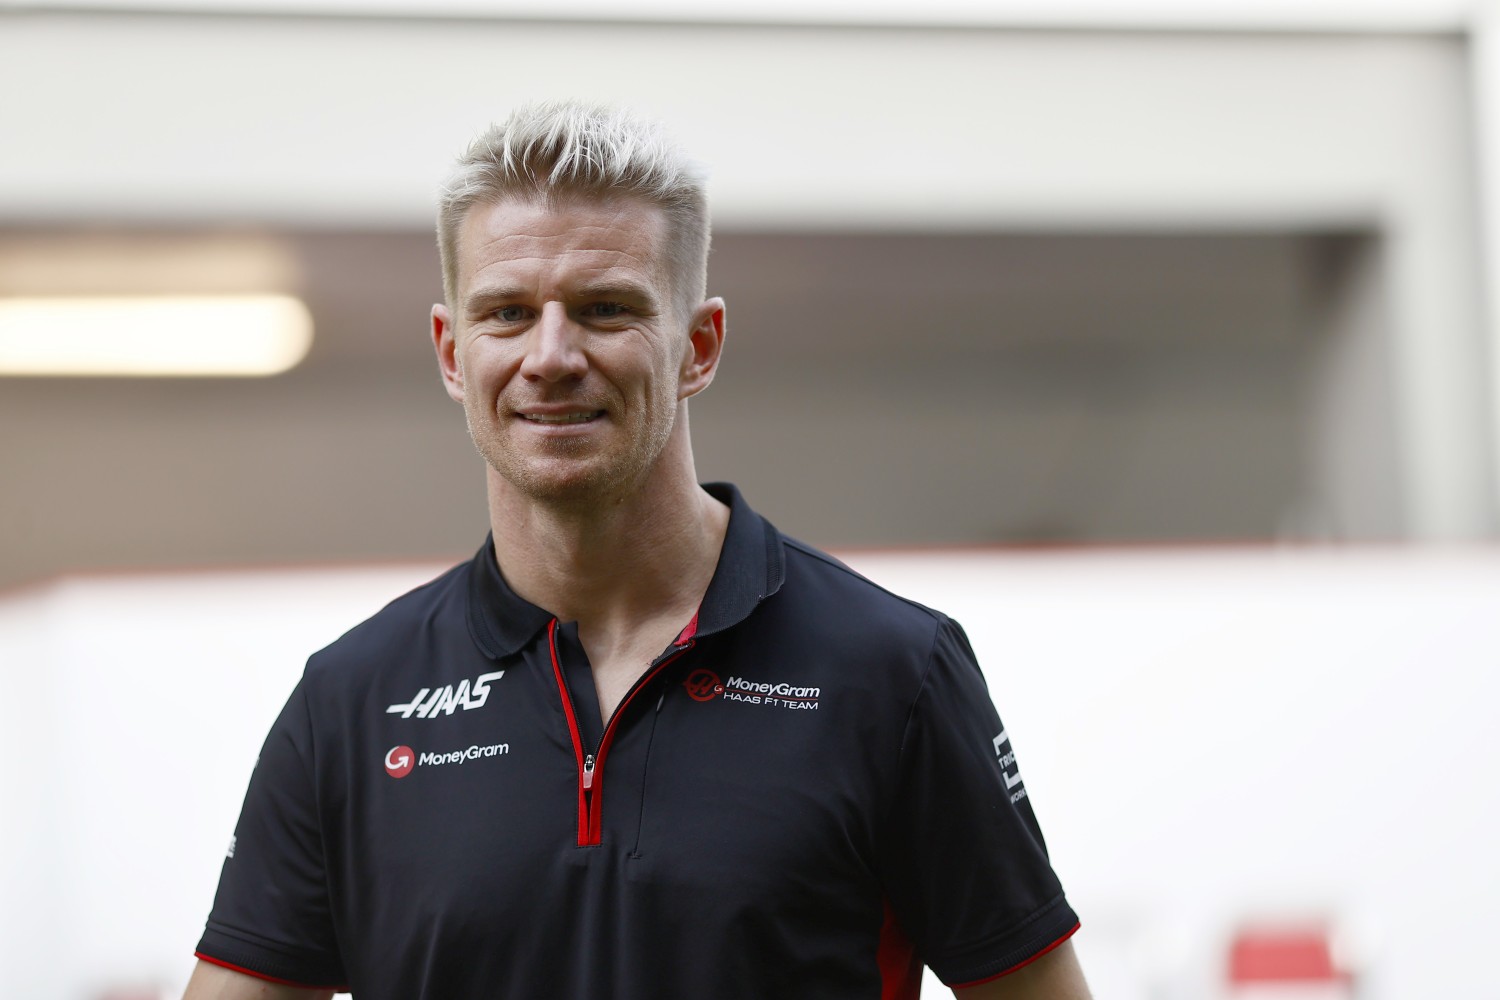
[534,241]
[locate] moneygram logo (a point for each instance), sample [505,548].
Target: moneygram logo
[399,761]
[703,685]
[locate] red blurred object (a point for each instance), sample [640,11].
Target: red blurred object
[1291,955]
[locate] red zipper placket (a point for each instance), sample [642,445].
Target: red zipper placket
[591,765]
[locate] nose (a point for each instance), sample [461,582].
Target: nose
[554,347]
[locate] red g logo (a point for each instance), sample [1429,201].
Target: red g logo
[703,685]
[399,761]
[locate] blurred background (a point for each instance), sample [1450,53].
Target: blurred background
[1154,341]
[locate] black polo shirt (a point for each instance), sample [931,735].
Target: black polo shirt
[808,794]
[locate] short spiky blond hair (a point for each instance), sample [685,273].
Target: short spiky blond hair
[569,149]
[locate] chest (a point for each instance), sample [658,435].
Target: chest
[613,675]
[721,792]
[610,663]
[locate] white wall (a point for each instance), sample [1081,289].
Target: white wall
[1276,15]
[135,709]
[1207,735]
[356,121]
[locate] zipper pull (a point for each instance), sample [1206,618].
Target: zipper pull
[588,772]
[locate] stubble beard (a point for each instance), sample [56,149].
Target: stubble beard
[576,475]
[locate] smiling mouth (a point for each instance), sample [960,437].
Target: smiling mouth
[563,418]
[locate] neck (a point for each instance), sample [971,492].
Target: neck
[649,554]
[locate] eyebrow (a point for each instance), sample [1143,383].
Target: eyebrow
[483,297]
[488,294]
[616,290]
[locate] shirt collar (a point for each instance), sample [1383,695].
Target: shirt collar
[751,568]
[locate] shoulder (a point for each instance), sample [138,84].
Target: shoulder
[824,578]
[842,606]
[418,620]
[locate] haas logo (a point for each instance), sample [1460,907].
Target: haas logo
[432,702]
[703,685]
[399,761]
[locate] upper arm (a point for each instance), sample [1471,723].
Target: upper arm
[214,982]
[1054,976]
[962,861]
[273,914]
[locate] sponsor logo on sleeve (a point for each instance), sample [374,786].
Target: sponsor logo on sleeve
[704,685]
[432,702]
[1006,758]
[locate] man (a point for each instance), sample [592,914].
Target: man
[642,745]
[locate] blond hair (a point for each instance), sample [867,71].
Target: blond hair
[562,149]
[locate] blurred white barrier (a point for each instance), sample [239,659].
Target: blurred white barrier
[1207,736]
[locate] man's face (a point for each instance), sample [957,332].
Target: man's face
[564,347]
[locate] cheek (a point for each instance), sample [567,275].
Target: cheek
[637,369]
[663,386]
[485,373]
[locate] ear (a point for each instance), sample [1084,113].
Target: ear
[700,359]
[446,345]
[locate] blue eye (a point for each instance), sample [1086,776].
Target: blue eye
[510,314]
[609,310]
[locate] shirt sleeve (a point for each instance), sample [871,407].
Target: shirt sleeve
[271,916]
[964,863]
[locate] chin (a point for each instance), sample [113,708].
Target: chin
[587,478]
[565,485]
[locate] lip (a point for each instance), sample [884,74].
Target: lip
[559,414]
[559,419]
